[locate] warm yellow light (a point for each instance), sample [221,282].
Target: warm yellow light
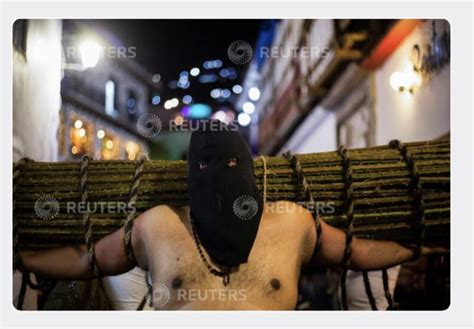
[407,80]
[131,147]
[417,80]
[414,79]
[131,156]
[106,155]
[74,150]
[397,81]
[78,124]
[82,132]
[109,144]
[100,134]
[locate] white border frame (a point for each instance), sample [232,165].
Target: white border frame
[460,16]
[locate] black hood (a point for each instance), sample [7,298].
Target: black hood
[225,203]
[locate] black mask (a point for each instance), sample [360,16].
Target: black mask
[226,205]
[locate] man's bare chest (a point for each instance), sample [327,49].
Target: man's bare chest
[270,275]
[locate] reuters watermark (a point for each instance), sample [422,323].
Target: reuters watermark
[99,207]
[293,52]
[112,52]
[245,207]
[205,125]
[47,207]
[241,52]
[149,125]
[162,295]
[320,207]
[213,295]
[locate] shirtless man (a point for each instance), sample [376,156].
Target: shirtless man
[228,250]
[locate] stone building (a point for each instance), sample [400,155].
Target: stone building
[101,105]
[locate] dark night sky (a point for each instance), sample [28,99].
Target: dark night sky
[168,47]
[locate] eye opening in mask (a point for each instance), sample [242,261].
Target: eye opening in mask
[232,162]
[202,165]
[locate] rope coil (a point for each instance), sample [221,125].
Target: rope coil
[132,209]
[303,182]
[416,189]
[349,206]
[386,289]
[368,291]
[86,218]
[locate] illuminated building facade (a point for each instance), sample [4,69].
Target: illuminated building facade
[102,104]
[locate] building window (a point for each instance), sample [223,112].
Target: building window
[19,36]
[132,105]
[110,97]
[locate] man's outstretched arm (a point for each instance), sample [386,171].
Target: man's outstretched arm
[72,263]
[366,255]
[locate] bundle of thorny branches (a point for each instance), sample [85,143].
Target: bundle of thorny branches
[48,210]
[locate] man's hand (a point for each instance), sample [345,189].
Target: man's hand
[434,250]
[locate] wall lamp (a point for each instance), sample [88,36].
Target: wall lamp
[406,81]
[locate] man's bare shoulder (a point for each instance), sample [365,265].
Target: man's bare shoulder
[296,221]
[152,226]
[288,210]
[160,218]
